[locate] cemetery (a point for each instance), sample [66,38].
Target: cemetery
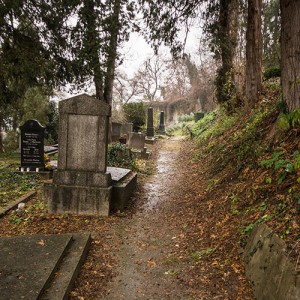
[150,150]
[79,183]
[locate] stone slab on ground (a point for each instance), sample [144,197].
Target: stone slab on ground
[28,264]
[117,174]
[62,283]
[150,140]
[122,190]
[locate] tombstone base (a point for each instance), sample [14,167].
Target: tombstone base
[150,140]
[124,183]
[150,132]
[162,129]
[80,200]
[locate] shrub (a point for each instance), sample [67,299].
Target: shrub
[10,142]
[135,113]
[119,156]
[272,73]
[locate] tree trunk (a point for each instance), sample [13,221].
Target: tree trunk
[253,54]
[1,137]
[227,42]
[290,52]
[112,56]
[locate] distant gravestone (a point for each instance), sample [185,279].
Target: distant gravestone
[126,128]
[115,131]
[81,184]
[32,146]
[150,128]
[198,116]
[136,140]
[162,123]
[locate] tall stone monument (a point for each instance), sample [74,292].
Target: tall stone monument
[150,128]
[81,184]
[162,123]
[32,146]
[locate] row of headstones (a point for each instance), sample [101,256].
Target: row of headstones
[81,184]
[32,140]
[120,130]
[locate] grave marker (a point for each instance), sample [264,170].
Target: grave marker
[162,123]
[150,128]
[115,131]
[32,146]
[81,184]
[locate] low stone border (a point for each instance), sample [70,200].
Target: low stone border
[13,205]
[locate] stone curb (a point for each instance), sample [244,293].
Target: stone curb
[23,198]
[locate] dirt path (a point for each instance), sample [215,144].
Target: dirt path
[179,241]
[146,269]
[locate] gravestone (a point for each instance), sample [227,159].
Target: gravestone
[115,131]
[81,184]
[126,129]
[198,116]
[162,123]
[136,140]
[32,146]
[150,128]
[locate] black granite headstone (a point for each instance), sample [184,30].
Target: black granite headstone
[32,145]
[150,128]
[162,123]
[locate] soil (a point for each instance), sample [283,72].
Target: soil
[176,241]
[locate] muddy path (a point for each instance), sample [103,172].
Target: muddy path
[146,269]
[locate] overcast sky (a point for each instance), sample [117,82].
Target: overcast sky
[136,50]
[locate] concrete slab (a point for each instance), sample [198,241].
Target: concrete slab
[122,191]
[64,278]
[27,264]
[117,174]
[40,266]
[150,140]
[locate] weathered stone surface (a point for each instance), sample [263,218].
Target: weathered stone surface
[96,179]
[136,140]
[117,174]
[41,266]
[115,131]
[267,265]
[27,263]
[62,283]
[126,128]
[89,117]
[80,200]
[122,191]
[81,184]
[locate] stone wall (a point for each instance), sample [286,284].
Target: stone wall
[183,106]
